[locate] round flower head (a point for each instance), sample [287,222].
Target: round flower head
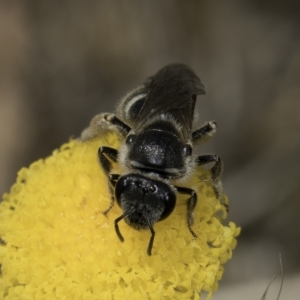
[56,243]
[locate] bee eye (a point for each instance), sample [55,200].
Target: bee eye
[187,150]
[130,139]
[152,188]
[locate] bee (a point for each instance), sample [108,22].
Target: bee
[155,122]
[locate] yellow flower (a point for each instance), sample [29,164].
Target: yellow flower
[57,244]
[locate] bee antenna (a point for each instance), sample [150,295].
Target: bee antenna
[117,220]
[150,245]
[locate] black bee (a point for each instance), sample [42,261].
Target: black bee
[156,122]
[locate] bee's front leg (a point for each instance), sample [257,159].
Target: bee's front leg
[106,156]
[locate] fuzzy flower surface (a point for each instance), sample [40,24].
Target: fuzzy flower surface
[57,244]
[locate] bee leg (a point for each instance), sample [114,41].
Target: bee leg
[106,155]
[191,204]
[121,126]
[102,123]
[113,178]
[216,172]
[204,133]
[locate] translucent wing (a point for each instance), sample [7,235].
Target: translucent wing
[171,90]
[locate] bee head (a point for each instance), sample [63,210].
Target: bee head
[144,202]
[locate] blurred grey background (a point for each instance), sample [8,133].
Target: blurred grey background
[61,62]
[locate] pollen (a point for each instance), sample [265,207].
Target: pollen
[57,244]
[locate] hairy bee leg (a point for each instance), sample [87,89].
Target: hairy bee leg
[98,125]
[216,172]
[113,178]
[122,127]
[206,132]
[102,123]
[191,204]
[106,154]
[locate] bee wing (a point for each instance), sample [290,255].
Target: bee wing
[172,90]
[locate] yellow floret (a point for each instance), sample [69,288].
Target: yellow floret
[57,244]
